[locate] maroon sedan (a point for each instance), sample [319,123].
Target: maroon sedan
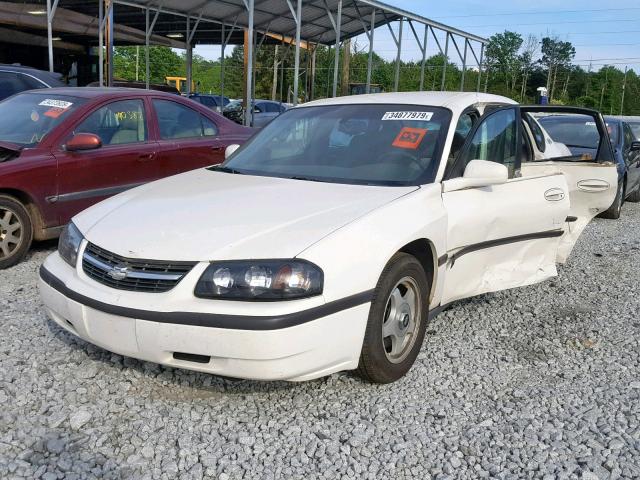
[64,149]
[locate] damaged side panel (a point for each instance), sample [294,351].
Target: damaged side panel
[503,236]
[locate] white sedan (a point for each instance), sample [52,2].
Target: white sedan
[329,240]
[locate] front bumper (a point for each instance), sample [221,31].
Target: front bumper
[312,343]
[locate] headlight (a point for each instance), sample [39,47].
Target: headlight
[69,244]
[262,280]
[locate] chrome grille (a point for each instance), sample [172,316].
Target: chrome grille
[131,273]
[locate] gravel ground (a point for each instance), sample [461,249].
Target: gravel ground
[537,382]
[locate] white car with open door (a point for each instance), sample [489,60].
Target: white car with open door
[329,240]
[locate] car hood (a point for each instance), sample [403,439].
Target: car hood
[205,215]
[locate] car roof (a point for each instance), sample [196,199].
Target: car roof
[49,77]
[97,92]
[455,101]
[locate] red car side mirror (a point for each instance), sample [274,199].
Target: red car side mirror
[83,141]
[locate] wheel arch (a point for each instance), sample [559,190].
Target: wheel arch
[31,206]
[424,251]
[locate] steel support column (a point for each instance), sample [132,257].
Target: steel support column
[337,25]
[423,49]
[396,84]
[445,62]
[51,11]
[101,43]
[313,72]
[480,66]
[188,56]
[464,64]
[248,117]
[370,61]
[109,30]
[297,16]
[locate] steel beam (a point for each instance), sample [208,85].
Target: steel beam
[296,68]
[372,29]
[480,66]
[445,62]
[336,63]
[101,43]
[51,11]
[248,117]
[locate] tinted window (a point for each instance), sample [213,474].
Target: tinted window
[117,123]
[178,121]
[495,140]
[271,107]
[12,83]
[208,101]
[376,144]
[26,118]
[635,128]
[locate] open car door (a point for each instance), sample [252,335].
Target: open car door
[575,142]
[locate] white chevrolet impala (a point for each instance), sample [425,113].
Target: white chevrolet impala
[331,238]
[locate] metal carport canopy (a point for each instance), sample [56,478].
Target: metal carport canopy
[276,16]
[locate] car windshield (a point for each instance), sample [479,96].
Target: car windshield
[27,117]
[355,144]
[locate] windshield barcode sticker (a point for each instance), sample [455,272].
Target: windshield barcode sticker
[407,116]
[50,102]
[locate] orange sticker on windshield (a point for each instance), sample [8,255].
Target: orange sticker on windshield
[410,138]
[54,112]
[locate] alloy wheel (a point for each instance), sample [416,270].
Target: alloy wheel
[11,232]
[401,322]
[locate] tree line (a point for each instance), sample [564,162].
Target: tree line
[514,66]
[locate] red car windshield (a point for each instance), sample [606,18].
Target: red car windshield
[27,117]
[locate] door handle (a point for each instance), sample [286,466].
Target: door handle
[144,157]
[554,195]
[217,148]
[593,185]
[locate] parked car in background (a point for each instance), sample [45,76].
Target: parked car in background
[160,87]
[214,102]
[352,222]
[580,135]
[264,111]
[634,123]
[64,149]
[17,78]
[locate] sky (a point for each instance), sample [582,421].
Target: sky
[600,34]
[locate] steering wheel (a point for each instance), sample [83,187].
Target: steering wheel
[400,157]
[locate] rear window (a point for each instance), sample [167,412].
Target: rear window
[26,118]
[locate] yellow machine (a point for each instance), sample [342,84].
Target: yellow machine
[180,83]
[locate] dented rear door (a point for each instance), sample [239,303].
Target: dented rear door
[590,171]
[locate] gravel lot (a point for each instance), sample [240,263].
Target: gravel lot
[537,382]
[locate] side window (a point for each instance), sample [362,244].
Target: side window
[628,136]
[258,108]
[272,107]
[177,121]
[538,134]
[117,123]
[463,128]
[209,128]
[495,140]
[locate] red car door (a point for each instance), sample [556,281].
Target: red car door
[188,139]
[127,157]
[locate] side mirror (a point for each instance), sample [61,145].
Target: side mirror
[478,173]
[230,150]
[83,141]
[635,146]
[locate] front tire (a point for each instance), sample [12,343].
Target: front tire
[397,321]
[16,231]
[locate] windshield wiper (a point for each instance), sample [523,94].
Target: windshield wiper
[306,179]
[227,170]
